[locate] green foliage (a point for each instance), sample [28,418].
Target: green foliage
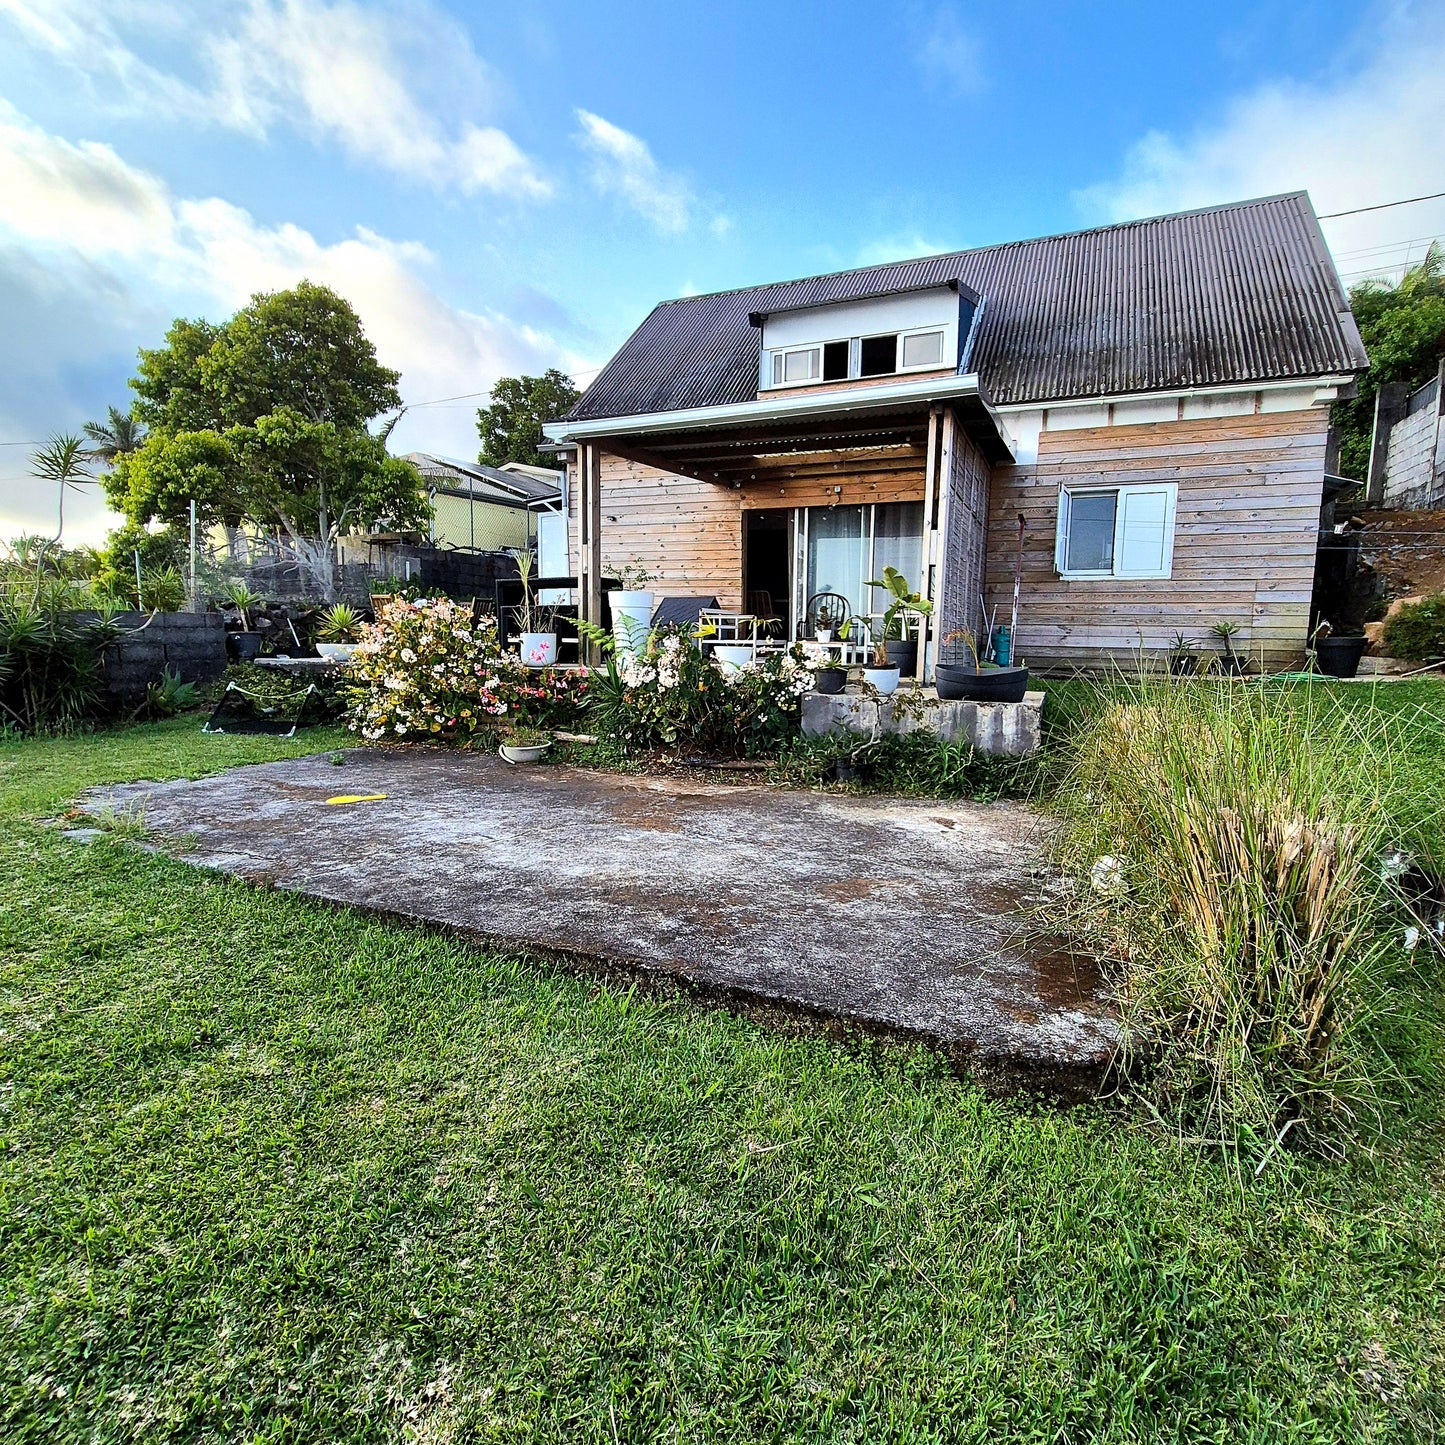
[511,426]
[1228,843]
[908,765]
[271,687]
[1417,631]
[63,461]
[904,601]
[160,558]
[170,695]
[265,420]
[50,660]
[119,434]
[1403,328]
[672,695]
[338,623]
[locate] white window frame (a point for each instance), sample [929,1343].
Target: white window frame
[776,363]
[941,332]
[1170,492]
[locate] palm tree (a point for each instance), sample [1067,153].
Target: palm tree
[64,460]
[118,434]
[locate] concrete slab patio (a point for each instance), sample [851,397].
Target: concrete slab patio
[893,915]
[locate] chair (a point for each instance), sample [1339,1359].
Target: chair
[826,609]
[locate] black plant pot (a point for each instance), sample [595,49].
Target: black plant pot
[1232,664]
[903,656]
[987,684]
[1183,664]
[831,679]
[1340,656]
[243,646]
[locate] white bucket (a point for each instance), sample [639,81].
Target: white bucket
[539,649]
[732,659]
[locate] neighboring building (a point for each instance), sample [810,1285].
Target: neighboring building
[1407,460]
[1151,399]
[478,508]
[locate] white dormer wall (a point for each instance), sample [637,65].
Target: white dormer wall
[852,320]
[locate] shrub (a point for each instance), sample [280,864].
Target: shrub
[50,660]
[270,687]
[1416,632]
[428,668]
[672,694]
[1228,845]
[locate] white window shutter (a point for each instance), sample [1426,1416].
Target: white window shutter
[1144,532]
[1061,533]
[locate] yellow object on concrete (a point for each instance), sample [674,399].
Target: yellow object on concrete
[358,798]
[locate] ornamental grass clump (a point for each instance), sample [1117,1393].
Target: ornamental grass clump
[1228,847]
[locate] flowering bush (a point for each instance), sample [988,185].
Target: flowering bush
[425,668]
[673,693]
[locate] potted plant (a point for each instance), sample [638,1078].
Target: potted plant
[336,632]
[902,650]
[243,645]
[1338,654]
[1231,663]
[880,672]
[1183,659]
[632,608]
[976,681]
[525,744]
[537,624]
[831,677]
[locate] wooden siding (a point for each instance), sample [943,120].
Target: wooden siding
[689,534]
[1244,539]
[965,530]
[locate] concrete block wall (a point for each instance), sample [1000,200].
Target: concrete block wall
[192,644]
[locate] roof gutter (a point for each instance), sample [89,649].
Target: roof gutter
[807,406]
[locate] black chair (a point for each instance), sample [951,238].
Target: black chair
[826,609]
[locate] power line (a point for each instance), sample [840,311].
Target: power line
[1383,206]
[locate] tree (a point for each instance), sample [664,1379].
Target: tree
[117,435]
[64,460]
[264,420]
[511,427]
[1403,328]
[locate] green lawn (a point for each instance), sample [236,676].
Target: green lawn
[274,1172]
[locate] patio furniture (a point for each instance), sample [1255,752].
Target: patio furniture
[826,609]
[682,611]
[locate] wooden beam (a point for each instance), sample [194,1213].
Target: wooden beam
[589,527]
[644,457]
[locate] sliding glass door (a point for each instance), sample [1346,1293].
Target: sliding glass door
[839,549]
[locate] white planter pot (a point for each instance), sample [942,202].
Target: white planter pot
[539,649]
[882,679]
[825,634]
[532,753]
[335,651]
[631,619]
[733,659]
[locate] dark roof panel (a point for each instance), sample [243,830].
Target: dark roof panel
[1245,292]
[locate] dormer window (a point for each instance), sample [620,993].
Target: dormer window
[799,365]
[919,350]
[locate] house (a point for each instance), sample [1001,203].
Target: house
[1148,402]
[478,508]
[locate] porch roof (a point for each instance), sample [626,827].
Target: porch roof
[726,443]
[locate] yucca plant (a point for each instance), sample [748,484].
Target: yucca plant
[338,623]
[49,662]
[1228,846]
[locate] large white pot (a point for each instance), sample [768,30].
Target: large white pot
[524,753]
[883,679]
[335,651]
[539,649]
[631,619]
[732,659]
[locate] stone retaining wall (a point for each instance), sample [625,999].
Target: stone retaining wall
[996,729]
[192,644]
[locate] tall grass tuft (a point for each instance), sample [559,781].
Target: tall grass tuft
[1228,843]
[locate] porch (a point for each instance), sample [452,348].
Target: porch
[772,510]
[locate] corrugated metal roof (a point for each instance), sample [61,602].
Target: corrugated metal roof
[519,486]
[1245,292]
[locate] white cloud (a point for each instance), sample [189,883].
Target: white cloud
[370,80]
[1363,136]
[949,56]
[623,167]
[110,233]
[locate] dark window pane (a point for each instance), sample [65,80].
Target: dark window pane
[835,361]
[880,355]
[1091,532]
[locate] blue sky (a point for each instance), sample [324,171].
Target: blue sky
[504,188]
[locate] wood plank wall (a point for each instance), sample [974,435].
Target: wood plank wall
[1244,541]
[690,533]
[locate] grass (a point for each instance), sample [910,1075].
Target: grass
[275,1172]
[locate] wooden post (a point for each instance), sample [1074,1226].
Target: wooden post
[589,529]
[929,581]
